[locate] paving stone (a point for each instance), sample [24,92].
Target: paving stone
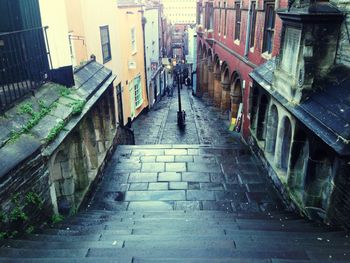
[175,167]
[211,186]
[250,178]
[142,177]
[178,185]
[187,205]
[205,159]
[148,159]
[217,205]
[148,152]
[158,186]
[138,186]
[230,196]
[155,195]
[217,178]
[199,195]
[193,151]
[176,152]
[183,158]
[165,158]
[234,187]
[153,167]
[193,186]
[169,177]
[204,167]
[195,177]
[150,206]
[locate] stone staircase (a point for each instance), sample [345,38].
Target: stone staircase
[182,203]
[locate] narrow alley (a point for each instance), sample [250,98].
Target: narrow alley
[196,196]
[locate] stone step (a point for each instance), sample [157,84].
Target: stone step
[120,259]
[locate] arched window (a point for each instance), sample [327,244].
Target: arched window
[298,162]
[261,124]
[272,130]
[319,180]
[286,135]
[254,106]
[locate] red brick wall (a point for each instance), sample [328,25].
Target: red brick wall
[235,63]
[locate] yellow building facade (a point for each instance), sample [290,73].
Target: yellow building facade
[113,33]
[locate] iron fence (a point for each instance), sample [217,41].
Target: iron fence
[25,63]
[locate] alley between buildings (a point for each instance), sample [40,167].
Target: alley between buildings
[192,196]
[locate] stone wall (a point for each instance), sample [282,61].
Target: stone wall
[44,184]
[311,176]
[343,54]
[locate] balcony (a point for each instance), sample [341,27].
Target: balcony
[25,63]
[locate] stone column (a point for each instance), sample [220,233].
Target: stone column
[210,81]
[217,89]
[225,97]
[235,101]
[199,77]
[205,76]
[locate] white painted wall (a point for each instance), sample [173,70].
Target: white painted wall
[53,15]
[152,44]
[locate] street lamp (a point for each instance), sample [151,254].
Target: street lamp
[181,113]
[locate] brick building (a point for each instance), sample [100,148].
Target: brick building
[234,37]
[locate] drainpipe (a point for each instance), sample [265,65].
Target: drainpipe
[143,21]
[247,37]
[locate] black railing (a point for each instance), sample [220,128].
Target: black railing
[25,63]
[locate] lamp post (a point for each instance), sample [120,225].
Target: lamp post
[181,113]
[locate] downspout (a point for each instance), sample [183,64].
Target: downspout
[143,21]
[247,37]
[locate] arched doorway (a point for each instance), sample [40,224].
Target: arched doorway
[225,88]
[261,122]
[272,126]
[286,133]
[236,105]
[319,180]
[217,82]
[210,74]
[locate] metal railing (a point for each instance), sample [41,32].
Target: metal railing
[25,63]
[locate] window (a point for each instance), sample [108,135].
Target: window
[269,27]
[138,92]
[238,21]
[253,22]
[105,44]
[133,40]
[219,24]
[225,18]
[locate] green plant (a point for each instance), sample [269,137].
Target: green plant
[35,199]
[64,92]
[57,218]
[30,230]
[78,106]
[12,234]
[3,235]
[55,131]
[26,108]
[18,214]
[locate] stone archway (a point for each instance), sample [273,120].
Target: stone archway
[217,82]
[225,91]
[286,136]
[210,74]
[204,71]
[63,182]
[319,180]
[261,118]
[272,127]
[298,163]
[236,95]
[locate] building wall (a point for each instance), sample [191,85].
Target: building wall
[152,52]
[53,15]
[180,12]
[129,17]
[86,19]
[343,55]
[231,54]
[76,32]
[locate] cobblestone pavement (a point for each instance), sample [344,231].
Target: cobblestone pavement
[204,123]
